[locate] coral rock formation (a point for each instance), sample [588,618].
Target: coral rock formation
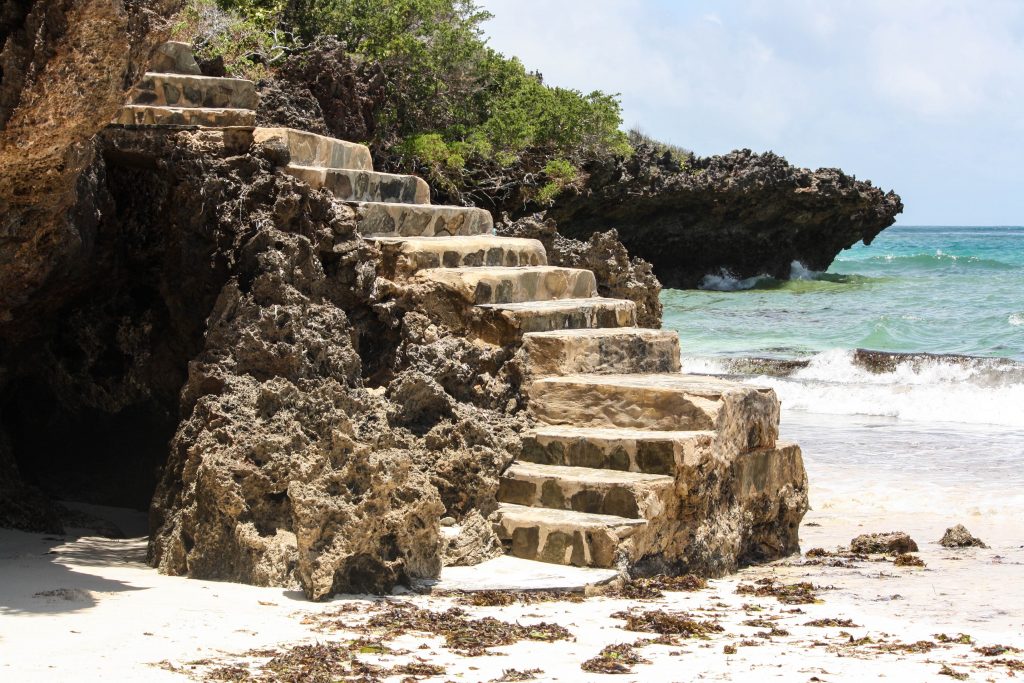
[743,213]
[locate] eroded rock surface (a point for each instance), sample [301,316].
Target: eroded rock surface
[959,537]
[743,213]
[895,542]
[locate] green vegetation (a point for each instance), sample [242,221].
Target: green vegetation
[452,100]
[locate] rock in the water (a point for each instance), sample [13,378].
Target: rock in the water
[895,542]
[959,537]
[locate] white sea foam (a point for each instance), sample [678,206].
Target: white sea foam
[1016,319]
[931,390]
[798,271]
[725,281]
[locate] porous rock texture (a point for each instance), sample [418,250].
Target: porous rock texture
[895,542]
[741,213]
[325,423]
[619,275]
[959,537]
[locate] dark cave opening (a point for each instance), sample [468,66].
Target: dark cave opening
[84,454]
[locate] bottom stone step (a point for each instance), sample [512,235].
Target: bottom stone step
[584,489]
[563,536]
[634,450]
[141,115]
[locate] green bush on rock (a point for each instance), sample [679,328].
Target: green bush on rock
[451,98]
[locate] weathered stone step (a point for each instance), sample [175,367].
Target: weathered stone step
[583,489]
[487,285]
[635,450]
[420,220]
[404,256]
[182,90]
[141,115]
[563,536]
[745,417]
[602,350]
[310,149]
[364,186]
[506,323]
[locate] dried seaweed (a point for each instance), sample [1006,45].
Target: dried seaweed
[668,623]
[510,675]
[505,598]
[614,659]
[470,636]
[908,560]
[790,594]
[995,650]
[647,588]
[830,622]
[946,671]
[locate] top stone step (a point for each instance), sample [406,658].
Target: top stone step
[310,149]
[183,90]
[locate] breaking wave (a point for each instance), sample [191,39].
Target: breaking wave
[800,277]
[912,387]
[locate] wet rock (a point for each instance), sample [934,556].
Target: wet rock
[959,537]
[894,542]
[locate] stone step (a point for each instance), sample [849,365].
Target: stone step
[635,450]
[583,489]
[745,417]
[141,115]
[310,149]
[563,536]
[383,219]
[601,350]
[404,256]
[182,90]
[506,323]
[364,186]
[496,285]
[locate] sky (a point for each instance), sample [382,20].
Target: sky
[924,97]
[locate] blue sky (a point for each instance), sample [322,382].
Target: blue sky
[925,97]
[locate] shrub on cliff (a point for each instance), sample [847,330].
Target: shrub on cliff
[450,98]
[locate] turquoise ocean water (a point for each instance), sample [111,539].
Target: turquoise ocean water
[945,425]
[916,289]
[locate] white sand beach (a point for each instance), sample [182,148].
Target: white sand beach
[89,609]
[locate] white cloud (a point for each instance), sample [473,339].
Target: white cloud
[889,90]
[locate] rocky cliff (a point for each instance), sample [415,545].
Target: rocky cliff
[65,66]
[185,326]
[742,213]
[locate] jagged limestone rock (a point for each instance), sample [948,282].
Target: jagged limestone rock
[174,57]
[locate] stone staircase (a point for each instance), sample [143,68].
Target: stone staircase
[606,479]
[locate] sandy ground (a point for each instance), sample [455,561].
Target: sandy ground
[88,609]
